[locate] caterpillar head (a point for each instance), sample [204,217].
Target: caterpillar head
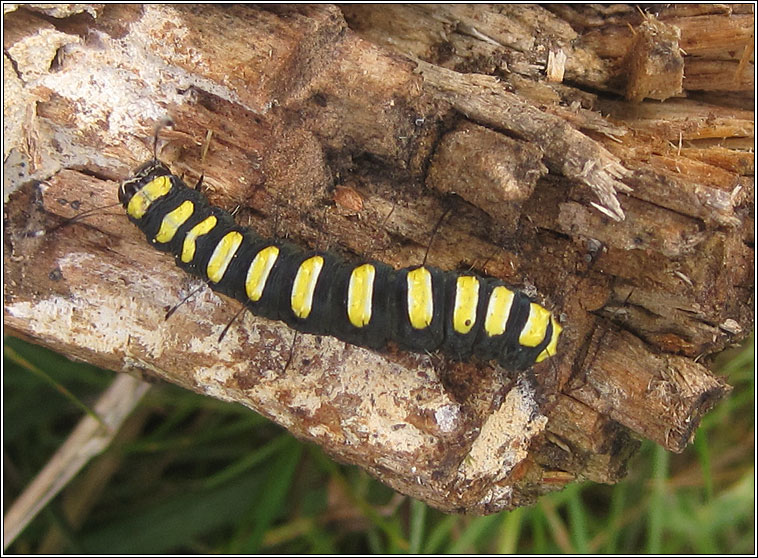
[145,174]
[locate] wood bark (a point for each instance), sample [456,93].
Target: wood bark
[597,157]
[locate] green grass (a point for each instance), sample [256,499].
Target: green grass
[189,474]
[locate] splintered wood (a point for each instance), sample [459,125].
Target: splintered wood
[357,129]
[656,65]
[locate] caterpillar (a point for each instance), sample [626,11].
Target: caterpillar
[420,308]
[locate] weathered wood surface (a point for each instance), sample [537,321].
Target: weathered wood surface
[355,129]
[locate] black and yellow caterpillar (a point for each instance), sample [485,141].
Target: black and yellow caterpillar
[419,308]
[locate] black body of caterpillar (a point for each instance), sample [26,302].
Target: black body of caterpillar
[419,308]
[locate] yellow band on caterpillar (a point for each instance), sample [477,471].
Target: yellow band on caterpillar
[420,298]
[203,227]
[535,329]
[360,292]
[304,286]
[550,350]
[466,300]
[141,201]
[222,255]
[498,310]
[173,220]
[258,272]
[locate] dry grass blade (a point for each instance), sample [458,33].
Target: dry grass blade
[88,439]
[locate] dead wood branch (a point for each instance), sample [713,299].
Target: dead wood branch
[632,220]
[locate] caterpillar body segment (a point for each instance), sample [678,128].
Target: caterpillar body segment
[419,308]
[363,291]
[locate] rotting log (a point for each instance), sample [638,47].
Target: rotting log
[356,129]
